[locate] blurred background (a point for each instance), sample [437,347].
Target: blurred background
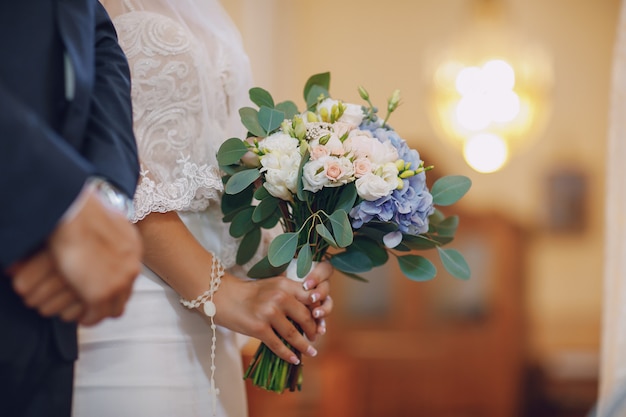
[515,95]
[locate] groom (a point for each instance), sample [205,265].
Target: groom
[68,168]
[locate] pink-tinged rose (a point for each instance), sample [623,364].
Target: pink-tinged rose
[341,128]
[339,171]
[362,166]
[319,151]
[333,170]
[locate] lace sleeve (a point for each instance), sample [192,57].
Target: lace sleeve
[178,167]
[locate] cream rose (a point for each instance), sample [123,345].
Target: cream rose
[371,187]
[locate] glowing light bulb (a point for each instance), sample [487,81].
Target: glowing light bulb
[468,81]
[499,74]
[485,152]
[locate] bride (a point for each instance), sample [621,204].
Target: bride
[190,76]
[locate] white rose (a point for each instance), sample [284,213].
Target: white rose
[390,175]
[371,187]
[314,175]
[383,153]
[353,114]
[279,142]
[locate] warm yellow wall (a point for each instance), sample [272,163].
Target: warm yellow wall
[384,45]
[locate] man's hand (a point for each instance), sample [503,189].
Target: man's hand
[98,252]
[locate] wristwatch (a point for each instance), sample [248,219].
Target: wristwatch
[112,197]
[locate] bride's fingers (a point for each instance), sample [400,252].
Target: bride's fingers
[321,311]
[277,346]
[293,337]
[319,274]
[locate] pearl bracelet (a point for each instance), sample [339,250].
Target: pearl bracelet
[208,307]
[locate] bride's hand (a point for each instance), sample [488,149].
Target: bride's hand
[262,309]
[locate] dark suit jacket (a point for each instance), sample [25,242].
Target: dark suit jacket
[65,115]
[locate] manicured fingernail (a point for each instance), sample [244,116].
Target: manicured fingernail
[311,351]
[321,328]
[307,285]
[317,313]
[294,359]
[315,297]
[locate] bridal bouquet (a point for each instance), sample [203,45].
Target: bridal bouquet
[344,186]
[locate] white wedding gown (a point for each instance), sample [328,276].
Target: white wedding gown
[189,77]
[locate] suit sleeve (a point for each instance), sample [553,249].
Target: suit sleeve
[41,174]
[111,146]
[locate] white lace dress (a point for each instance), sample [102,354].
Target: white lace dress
[154,361]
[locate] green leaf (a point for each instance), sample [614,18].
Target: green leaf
[419,242]
[261,97]
[263,269]
[301,194]
[231,151]
[264,209]
[321,80]
[448,226]
[283,249]
[352,262]
[261,193]
[271,221]
[437,217]
[250,119]
[241,180]
[326,235]
[248,246]
[305,261]
[342,230]
[354,276]
[377,253]
[289,108]
[270,119]
[347,198]
[448,190]
[233,202]
[242,223]
[314,95]
[417,268]
[455,263]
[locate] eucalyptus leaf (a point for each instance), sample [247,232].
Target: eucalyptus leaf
[353,262]
[241,180]
[377,253]
[321,79]
[419,242]
[228,217]
[271,221]
[261,193]
[248,246]
[315,93]
[231,151]
[301,194]
[232,202]
[263,269]
[448,190]
[342,230]
[270,119]
[289,108]
[264,209]
[261,97]
[283,249]
[437,217]
[242,223]
[347,198]
[454,263]
[448,226]
[250,119]
[417,268]
[354,276]
[304,262]
[326,235]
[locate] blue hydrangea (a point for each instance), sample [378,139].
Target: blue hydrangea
[409,207]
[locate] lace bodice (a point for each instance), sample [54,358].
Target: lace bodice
[186,92]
